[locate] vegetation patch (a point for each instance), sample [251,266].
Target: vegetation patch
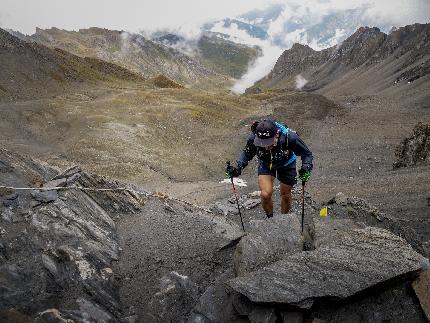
[162,81]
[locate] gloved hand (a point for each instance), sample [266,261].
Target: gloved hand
[232,171]
[304,175]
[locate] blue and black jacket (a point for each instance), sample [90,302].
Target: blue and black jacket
[282,155]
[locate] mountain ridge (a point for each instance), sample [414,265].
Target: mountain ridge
[365,49]
[132,51]
[32,70]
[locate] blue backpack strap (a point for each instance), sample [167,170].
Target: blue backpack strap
[284,140]
[283,128]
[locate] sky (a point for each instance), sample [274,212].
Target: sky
[185,17]
[133,15]
[130,15]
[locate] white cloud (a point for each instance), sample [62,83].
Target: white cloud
[300,82]
[260,68]
[131,15]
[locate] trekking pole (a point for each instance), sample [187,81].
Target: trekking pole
[237,199]
[303,203]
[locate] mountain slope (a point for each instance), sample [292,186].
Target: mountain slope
[131,51]
[30,70]
[226,57]
[367,62]
[213,50]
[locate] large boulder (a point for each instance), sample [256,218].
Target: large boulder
[267,241]
[356,262]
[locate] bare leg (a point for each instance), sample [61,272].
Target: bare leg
[266,187]
[286,198]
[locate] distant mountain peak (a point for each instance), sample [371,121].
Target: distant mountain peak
[366,47]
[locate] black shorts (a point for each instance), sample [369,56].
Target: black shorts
[286,175]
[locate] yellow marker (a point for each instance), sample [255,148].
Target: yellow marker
[324,211]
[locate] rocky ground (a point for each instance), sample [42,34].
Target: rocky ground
[75,254]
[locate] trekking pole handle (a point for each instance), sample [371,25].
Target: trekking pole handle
[228,165]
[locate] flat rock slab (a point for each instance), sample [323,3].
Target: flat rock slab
[362,259]
[268,241]
[329,230]
[229,232]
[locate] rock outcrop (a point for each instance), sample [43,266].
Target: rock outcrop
[268,241]
[357,262]
[61,257]
[414,150]
[59,246]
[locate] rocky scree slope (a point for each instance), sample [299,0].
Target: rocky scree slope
[367,62]
[30,70]
[132,256]
[131,51]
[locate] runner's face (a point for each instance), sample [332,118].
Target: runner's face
[274,143]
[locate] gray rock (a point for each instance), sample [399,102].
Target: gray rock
[68,172]
[341,198]
[12,196]
[198,318]
[45,196]
[228,231]
[393,304]
[242,305]
[176,297]
[250,204]
[329,230]
[292,317]
[50,265]
[268,241]
[130,319]
[10,199]
[35,203]
[262,315]
[94,311]
[421,287]
[225,209]
[17,217]
[7,214]
[215,304]
[13,285]
[357,262]
[8,203]
[61,182]
[254,194]
[72,179]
